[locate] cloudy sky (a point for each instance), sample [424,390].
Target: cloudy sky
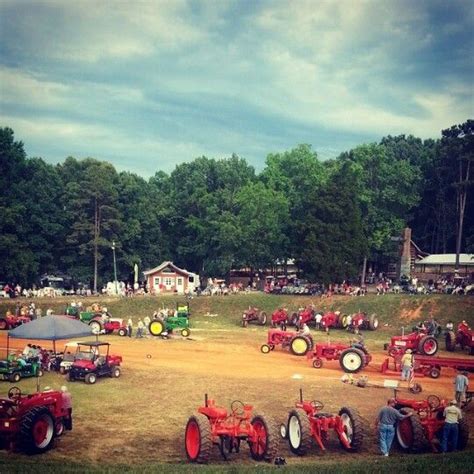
[149,84]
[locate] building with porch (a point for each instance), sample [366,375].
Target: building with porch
[168,278]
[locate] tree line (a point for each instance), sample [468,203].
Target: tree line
[212,215]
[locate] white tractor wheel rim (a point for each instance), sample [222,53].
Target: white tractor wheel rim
[351,361]
[348,428]
[49,432]
[294,432]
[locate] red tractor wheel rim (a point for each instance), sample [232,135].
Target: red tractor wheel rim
[42,431]
[260,445]
[405,433]
[429,346]
[193,440]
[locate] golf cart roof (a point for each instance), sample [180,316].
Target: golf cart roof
[93,344]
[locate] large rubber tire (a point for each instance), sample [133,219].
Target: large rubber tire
[410,434]
[262,318]
[353,428]
[185,332]
[156,327]
[300,345]
[96,326]
[373,322]
[299,432]
[352,360]
[198,439]
[428,345]
[3,324]
[463,436]
[344,321]
[15,378]
[268,440]
[450,340]
[37,430]
[122,332]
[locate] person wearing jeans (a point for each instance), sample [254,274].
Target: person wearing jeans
[452,415]
[385,424]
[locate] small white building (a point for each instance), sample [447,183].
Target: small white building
[436,265]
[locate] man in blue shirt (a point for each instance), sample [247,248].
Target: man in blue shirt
[385,423]
[461,383]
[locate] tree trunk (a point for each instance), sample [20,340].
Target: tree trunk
[461,202]
[364,269]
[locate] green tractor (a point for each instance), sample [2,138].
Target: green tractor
[165,321]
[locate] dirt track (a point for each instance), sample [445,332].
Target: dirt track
[164,381]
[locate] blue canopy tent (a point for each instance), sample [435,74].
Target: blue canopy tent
[50,328]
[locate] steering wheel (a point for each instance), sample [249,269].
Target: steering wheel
[237,408]
[433,401]
[14,393]
[317,404]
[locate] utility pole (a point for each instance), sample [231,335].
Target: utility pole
[115,267]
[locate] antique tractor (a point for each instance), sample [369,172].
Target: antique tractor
[254,315]
[280,318]
[214,425]
[417,341]
[299,344]
[31,422]
[464,337]
[92,360]
[361,321]
[306,422]
[331,319]
[304,315]
[101,322]
[15,370]
[352,358]
[11,321]
[419,431]
[166,321]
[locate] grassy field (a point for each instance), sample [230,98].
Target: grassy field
[136,423]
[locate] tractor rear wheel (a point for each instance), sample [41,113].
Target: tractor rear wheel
[352,360]
[96,326]
[373,322]
[344,321]
[410,433]
[90,379]
[300,345]
[266,445]
[450,341]
[198,439]
[463,436]
[37,430]
[262,318]
[353,429]
[299,432]
[156,327]
[428,345]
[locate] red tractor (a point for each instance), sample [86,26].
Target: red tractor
[464,337]
[361,321]
[352,358]
[306,422]
[214,425]
[280,318]
[299,344]
[31,422]
[331,319]
[254,315]
[304,315]
[417,341]
[11,321]
[419,431]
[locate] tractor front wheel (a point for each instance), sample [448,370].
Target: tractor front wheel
[428,345]
[317,363]
[185,332]
[265,348]
[352,435]
[300,345]
[37,430]
[410,433]
[122,332]
[156,327]
[352,360]
[299,432]
[264,444]
[198,439]
[450,341]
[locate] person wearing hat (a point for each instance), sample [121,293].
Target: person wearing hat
[461,384]
[406,364]
[385,424]
[452,416]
